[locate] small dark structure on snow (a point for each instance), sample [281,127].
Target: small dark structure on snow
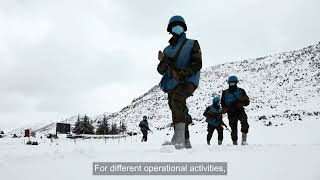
[63,128]
[27,133]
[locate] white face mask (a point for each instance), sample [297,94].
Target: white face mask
[232,84]
[177,29]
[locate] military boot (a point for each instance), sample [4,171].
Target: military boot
[188,144]
[179,130]
[244,139]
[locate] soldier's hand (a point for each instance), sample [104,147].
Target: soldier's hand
[176,75]
[161,56]
[163,66]
[185,72]
[224,110]
[239,105]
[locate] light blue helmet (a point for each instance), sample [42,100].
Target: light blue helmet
[176,20]
[216,99]
[233,79]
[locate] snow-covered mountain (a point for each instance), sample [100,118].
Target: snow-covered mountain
[283,88]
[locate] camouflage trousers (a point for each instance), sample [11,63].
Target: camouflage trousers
[177,102]
[233,123]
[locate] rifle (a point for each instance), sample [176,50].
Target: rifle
[223,124]
[226,127]
[150,130]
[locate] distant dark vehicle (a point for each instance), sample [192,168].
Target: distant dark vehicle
[1,132]
[14,136]
[35,143]
[1,136]
[32,143]
[52,136]
[70,136]
[132,133]
[63,128]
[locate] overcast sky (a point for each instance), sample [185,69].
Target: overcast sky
[64,57]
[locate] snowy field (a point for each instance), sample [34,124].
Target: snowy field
[288,152]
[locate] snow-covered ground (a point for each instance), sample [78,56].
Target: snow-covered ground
[284,119]
[284,152]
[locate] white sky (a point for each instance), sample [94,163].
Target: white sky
[61,58]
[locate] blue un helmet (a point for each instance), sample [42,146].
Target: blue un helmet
[216,100]
[233,79]
[176,20]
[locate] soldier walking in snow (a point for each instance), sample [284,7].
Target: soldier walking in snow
[144,127]
[180,65]
[233,101]
[213,114]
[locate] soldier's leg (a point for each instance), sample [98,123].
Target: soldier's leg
[233,123]
[210,132]
[244,127]
[170,103]
[244,122]
[220,133]
[177,104]
[146,136]
[188,90]
[143,135]
[187,135]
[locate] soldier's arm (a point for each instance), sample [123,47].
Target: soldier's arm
[223,103]
[244,99]
[205,114]
[210,114]
[196,57]
[213,114]
[163,66]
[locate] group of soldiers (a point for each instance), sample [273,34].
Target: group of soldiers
[180,65]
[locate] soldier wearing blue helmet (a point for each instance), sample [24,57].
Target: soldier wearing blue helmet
[233,101]
[213,114]
[180,65]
